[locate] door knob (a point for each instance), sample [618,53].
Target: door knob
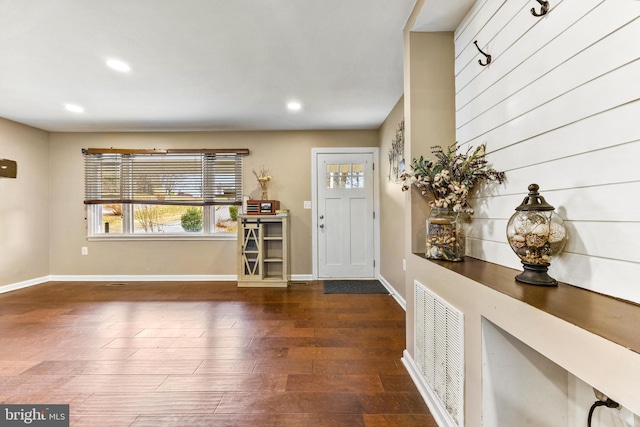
[321,225]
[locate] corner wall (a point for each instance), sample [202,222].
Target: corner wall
[24,205]
[286,154]
[391,208]
[429,120]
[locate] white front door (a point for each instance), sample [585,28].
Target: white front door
[345,215]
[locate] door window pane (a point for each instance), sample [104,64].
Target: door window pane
[345,175]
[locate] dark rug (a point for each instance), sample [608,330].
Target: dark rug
[354,287]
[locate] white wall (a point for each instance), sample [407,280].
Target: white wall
[582,397]
[559,106]
[522,387]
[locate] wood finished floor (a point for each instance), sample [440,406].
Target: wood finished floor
[207,354]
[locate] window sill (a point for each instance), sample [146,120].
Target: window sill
[168,237]
[610,318]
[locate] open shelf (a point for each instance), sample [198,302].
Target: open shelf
[263,251]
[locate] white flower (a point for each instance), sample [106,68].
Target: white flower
[557,233]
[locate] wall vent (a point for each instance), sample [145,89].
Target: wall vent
[439,351]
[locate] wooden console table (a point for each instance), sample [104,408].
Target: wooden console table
[611,318]
[593,337]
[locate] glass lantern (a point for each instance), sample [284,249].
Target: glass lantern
[536,234]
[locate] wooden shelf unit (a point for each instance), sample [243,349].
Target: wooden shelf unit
[263,251]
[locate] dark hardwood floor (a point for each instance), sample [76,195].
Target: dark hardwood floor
[207,354]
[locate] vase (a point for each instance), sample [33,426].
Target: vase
[264,186]
[445,235]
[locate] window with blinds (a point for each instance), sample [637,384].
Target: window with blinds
[153,191]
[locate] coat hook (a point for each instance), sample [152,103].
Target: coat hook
[485,54]
[543,10]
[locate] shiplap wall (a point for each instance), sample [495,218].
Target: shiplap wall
[559,106]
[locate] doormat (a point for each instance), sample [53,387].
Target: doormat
[354,287]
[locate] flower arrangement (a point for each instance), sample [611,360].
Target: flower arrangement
[450,177]
[263,179]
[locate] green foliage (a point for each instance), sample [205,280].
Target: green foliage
[191,220]
[233,211]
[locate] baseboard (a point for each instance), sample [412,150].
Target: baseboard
[440,414]
[133,278]
[394,293]
[25,284]
[144,278]
[160,278]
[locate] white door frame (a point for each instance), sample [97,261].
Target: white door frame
[376,201]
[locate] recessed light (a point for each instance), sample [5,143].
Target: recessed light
[294,106]
[118,65]
[74,108]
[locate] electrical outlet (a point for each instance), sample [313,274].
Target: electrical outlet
[85,250]
[600,395]
[404,265]
[307,204]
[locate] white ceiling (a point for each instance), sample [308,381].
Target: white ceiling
[441,15]
[207,64]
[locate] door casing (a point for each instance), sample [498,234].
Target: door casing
[375,151]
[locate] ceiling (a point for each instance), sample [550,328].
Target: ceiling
[207,64]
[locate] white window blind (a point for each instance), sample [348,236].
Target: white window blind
[172,177]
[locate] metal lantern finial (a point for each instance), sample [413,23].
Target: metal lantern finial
[536,234]
[534,201]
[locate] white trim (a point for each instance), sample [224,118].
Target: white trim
[159,278]
[394,293]
[113,237]
[375,151]
[440,414]
[133,278]
[24,284]
[94,223]
[144,278]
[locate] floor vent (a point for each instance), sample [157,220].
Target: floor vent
[116,284]
[439,352]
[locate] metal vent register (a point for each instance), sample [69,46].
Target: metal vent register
[439,353]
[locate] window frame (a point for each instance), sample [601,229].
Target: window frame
[205,188]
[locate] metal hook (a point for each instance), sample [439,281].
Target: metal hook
[485,54]
[544,9]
